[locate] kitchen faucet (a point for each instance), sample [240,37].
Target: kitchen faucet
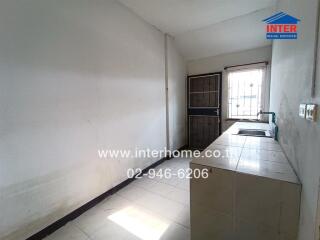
[269,113]
[274,126]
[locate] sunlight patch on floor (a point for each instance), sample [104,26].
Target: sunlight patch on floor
[139,223]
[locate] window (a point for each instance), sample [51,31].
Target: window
[245,92]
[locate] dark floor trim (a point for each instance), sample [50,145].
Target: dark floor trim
[184,147]
[76,213]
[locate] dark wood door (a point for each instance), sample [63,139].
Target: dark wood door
[204,109]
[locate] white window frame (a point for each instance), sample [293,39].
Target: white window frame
[265,88]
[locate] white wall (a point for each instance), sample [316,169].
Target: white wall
[76,76]
[217,64]
[292,64]
[176,96]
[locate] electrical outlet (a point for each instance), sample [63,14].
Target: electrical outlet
[311,112]
[302,110]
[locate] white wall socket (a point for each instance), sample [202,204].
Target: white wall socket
[302,110]
[311,112]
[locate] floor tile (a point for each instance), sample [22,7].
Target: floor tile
[68,232]
[91,220]
[147,208]
[176,232]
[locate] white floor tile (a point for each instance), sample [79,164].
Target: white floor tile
[176,232]
[91,220]
[162,201]
[68,232]
[112,231]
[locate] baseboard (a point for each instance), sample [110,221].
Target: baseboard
[76,213]
[184,147]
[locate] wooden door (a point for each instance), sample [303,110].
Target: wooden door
[204,108]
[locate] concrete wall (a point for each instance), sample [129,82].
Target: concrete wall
[318,218]
[176,96]
[76,76]
[292,65]
[217,64]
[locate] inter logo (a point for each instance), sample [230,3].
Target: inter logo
[281,26]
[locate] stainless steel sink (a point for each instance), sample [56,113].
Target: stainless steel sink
[254,133]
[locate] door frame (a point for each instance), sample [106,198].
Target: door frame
[208,110]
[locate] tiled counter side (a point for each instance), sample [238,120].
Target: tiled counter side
[251,193]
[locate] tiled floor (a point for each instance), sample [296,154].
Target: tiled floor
[146,209]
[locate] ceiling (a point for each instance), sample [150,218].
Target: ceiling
[236,34]
[204,28]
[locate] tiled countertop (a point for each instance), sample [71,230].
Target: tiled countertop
[250,155]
